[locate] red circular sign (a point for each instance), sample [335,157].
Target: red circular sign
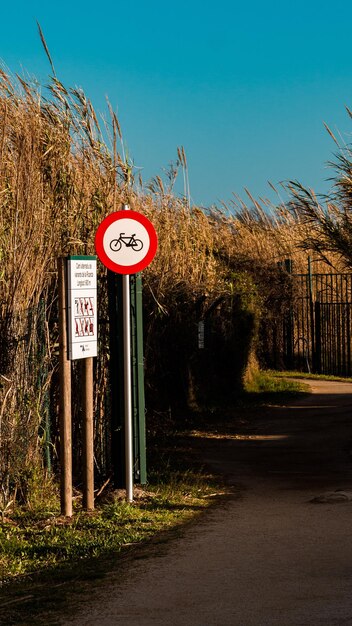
[126,242]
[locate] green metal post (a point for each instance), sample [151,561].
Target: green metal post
[138,397]
[134,379]
[140,367]
[116,378]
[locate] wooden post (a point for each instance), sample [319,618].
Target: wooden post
[65,398]
[88,435]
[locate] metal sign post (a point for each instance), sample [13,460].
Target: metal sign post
[127,386]
[127,381]
[126,242]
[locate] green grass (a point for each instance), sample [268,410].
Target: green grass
[37,540]
[294,374]
[269,382]
[40,550]
[266,387]
[271,386]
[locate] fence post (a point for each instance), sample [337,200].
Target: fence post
[41,378]
[65,397]
[318,364]
[289,334]
[312,317]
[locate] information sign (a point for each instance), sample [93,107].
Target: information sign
[82,307]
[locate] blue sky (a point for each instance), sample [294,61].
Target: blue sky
[244,88]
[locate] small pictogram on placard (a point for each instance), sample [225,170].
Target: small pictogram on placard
[84,326]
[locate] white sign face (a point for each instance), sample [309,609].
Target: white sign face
[126,242]
[82,307]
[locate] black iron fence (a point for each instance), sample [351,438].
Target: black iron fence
[317,327]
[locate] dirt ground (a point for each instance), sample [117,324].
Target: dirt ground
[276,552]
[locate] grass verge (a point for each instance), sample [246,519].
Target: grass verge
[37,538]
[308,376]
[40,550]
[32,541]
[268,387]
[45,557]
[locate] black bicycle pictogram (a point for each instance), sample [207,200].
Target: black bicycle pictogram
[129,242]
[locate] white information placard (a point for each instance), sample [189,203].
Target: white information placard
[82,307]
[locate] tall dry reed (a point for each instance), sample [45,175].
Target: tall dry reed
[61,172]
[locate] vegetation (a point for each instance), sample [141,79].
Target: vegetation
[59,176]
[309,376]
[61,171]
[36,539]
[327,220]
[267,385]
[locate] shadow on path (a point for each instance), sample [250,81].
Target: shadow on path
[269,557]
[304,445]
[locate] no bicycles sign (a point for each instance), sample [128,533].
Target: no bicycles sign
[126,242]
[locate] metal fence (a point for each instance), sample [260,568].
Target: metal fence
[317,328]
[29,384]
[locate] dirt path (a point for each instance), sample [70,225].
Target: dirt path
[269,555]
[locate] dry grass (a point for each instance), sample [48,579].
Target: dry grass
[61,172]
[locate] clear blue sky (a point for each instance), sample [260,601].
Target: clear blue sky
[244,87]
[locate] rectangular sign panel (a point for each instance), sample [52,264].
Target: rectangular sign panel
[82,307]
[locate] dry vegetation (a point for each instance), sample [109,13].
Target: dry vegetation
[61,172]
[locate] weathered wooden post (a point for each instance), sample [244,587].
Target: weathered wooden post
[82,335]
[77,340]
